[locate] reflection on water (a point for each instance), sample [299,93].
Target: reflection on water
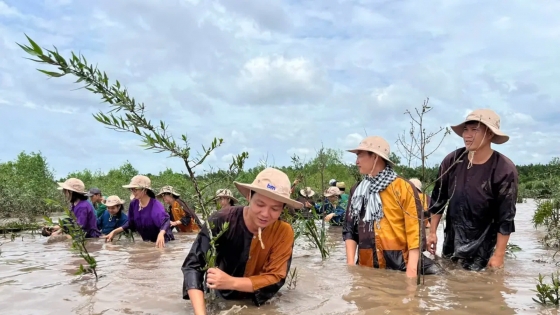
[137,278]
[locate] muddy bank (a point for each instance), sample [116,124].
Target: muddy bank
[140,279]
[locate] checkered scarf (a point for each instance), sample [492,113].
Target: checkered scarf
[367,193]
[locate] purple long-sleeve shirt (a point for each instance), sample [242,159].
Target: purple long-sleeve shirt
[149,221]
[85,215]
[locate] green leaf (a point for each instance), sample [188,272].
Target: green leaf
[51,74]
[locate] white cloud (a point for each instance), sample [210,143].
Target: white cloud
[280,77]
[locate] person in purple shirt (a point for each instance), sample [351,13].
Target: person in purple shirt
[146,215]
[74,191]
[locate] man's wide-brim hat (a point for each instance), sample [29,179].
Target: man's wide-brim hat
[487,117]
[271,183]
[377,145]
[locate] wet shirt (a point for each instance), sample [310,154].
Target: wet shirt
[149,221]
[388,244]
[85,216]
[338,210]
[190,222]
[107,222]
[240,255]
[482,202]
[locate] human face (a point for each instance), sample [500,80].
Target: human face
[96,198]
[365,162]
[333,199]
[476,135]
[224,202]
[168,199]
[113,209]
[137,192]
[264,211]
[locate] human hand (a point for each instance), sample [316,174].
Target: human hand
[431,243]
[217,279]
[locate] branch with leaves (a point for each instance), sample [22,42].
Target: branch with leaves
[132,119]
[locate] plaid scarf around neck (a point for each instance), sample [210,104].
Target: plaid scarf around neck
[367,193]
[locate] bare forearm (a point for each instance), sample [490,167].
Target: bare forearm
[435,218]
[351,252]
[501,245]
[413,256]
[118,230]
[242,285]
[197,301]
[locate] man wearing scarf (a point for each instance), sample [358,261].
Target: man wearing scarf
[382,219]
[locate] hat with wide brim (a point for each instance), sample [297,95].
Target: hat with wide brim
[139,182]
[307,192]
[168,190]
[225,193]
[73,184]
[332,191]
[377,145]
[114,201]
[271,183]
[416,182]
[487,117]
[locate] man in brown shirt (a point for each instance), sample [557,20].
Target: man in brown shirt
[481,186]
[255,252]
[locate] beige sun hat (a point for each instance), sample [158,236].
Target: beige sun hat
[307,192]
[375,144]
[332,191]
[73,184]
[490,119]
[168,190]
[114,201]
[140,182]
[416,182]
[273,184]
[225,193]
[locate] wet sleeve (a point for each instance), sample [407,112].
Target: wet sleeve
[193,275]
[129,224]
[440,192]
[186,218]
[412,208]
[350,227]
[274,272]
[339,211]
[164,219]
[81,214]
[506,201]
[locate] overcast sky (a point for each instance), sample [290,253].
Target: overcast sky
[276,78]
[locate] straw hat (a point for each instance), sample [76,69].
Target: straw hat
[416,182]
[487,117]
[73,184]
[114,201]
[225,193]
[139,182]
[307,192]
[332,191]
[168,190]
[375,144]
[273,184]
[341,185]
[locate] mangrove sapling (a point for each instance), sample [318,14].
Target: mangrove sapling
[154,136]
[292,278]
[548,294]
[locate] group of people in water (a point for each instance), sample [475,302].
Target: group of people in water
[380,217]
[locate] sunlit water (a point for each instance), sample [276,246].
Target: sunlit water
[136,278]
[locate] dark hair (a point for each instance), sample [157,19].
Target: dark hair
[150,194]
[74,196]
[342,189]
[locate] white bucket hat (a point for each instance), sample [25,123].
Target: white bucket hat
[273,184]
[416,182]
[377,145]
[332,191]
[307,192]
[114,201]
[487,117]
[73,184]
[140,182]
[225,193]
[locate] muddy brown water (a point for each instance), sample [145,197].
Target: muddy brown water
[136,278]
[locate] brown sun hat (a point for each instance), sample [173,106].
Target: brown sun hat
[332,191]
[225,193]
[168,190]
[140,182]
[114,201]
[273,184]
[307,192]
[73,184]
[375,144]
[487,117]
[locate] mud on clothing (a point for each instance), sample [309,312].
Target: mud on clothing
[85,217]
[240,255]
[179,211]
[482,203]
[149,221]
[387,246]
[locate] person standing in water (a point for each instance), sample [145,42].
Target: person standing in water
[96,200]
[183,218]
[480,186]
[74,191]
[114,217]
[255,252]
[145,214]
[382,215]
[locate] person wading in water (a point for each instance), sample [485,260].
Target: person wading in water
[481,186]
